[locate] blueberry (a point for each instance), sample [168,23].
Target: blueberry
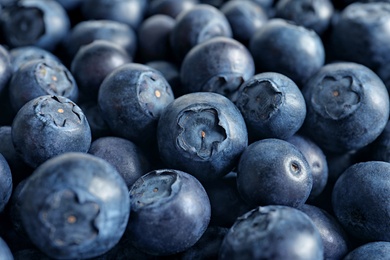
[170,72]
[48,126]
[129,160]
[379,149]
[274,172]
[170,7]
[347,107]
[5,252]
[272,105]
[273,232]
[93,62]
[99,127]
[335,240]
[284,47]
[39,77]
[203,134]
[360,199]
[75,205]
[5,183]
[170,211]
[317,162]
[197,25]
[132,97]
[5,68]
[43,23]
[378,250]
[218,65]
[70,4]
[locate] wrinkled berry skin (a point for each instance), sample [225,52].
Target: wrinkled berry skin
[300,50]
[272,232]
[48,126]
[379,250]
[272,105]
[317,162]
[128,159]
[361,203]
[197,25]
[43,23]
[335,240]
[93,62]
[131,98]
[361,34]
[5,252]
[5,183]
[274,172]
[203,134]
[170,211]
[75,206]
[347,107]
[41,77]
[218,65]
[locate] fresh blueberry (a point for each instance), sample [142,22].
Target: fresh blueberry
[130,12]
[48,126]
[197,25]
[244,17]
[5,252]
[218,65]
[272,106]
[170,72]
[273,232]
[132,97]
[170,7]
[335,240]
[360,199]
[312,14]
[43,23]
[347,107]
[75,205]
[5,68]
[378,250]
[153,38]
[284,47]
[129,160]
[39,77]
[93,62]
[317,162]
[274,172]
[170,211]
[5,183]
[203,134]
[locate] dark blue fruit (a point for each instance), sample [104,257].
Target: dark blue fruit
[378,250]
[274,172]
[75,206]
[203,134]
[170,211]
[273,232]
[5,67]
[48,126]
[170,7]
[5,183]
[5,252]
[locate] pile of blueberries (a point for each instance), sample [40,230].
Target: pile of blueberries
[194,129]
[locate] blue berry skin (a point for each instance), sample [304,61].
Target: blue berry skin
[170,211]
[203,134]
[335,240]
[5,252]
[41,77]
[360,200]
[129,160]
[197,25]
[99,127]
[284,47]
[42,23]
[218,65]
[317,162]
[5,183]
[274,172]
[273,232]
[48,126]
[347,107]
[272,106]
[87,31]
[378,250]
[379,149]
[131,98]
[170,72]
[315,15]
[244,17]
[130,12]
[20,55]
[5,67]
[361,34]
[170,7]
[75,206]
[93,62]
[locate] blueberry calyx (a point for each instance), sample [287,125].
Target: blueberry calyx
[225,84]
[53,79]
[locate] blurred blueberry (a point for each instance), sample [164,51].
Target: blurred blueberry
[170,7]
[5,183]
[5,252]
[378,250]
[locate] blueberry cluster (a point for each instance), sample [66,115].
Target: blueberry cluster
[194,129]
